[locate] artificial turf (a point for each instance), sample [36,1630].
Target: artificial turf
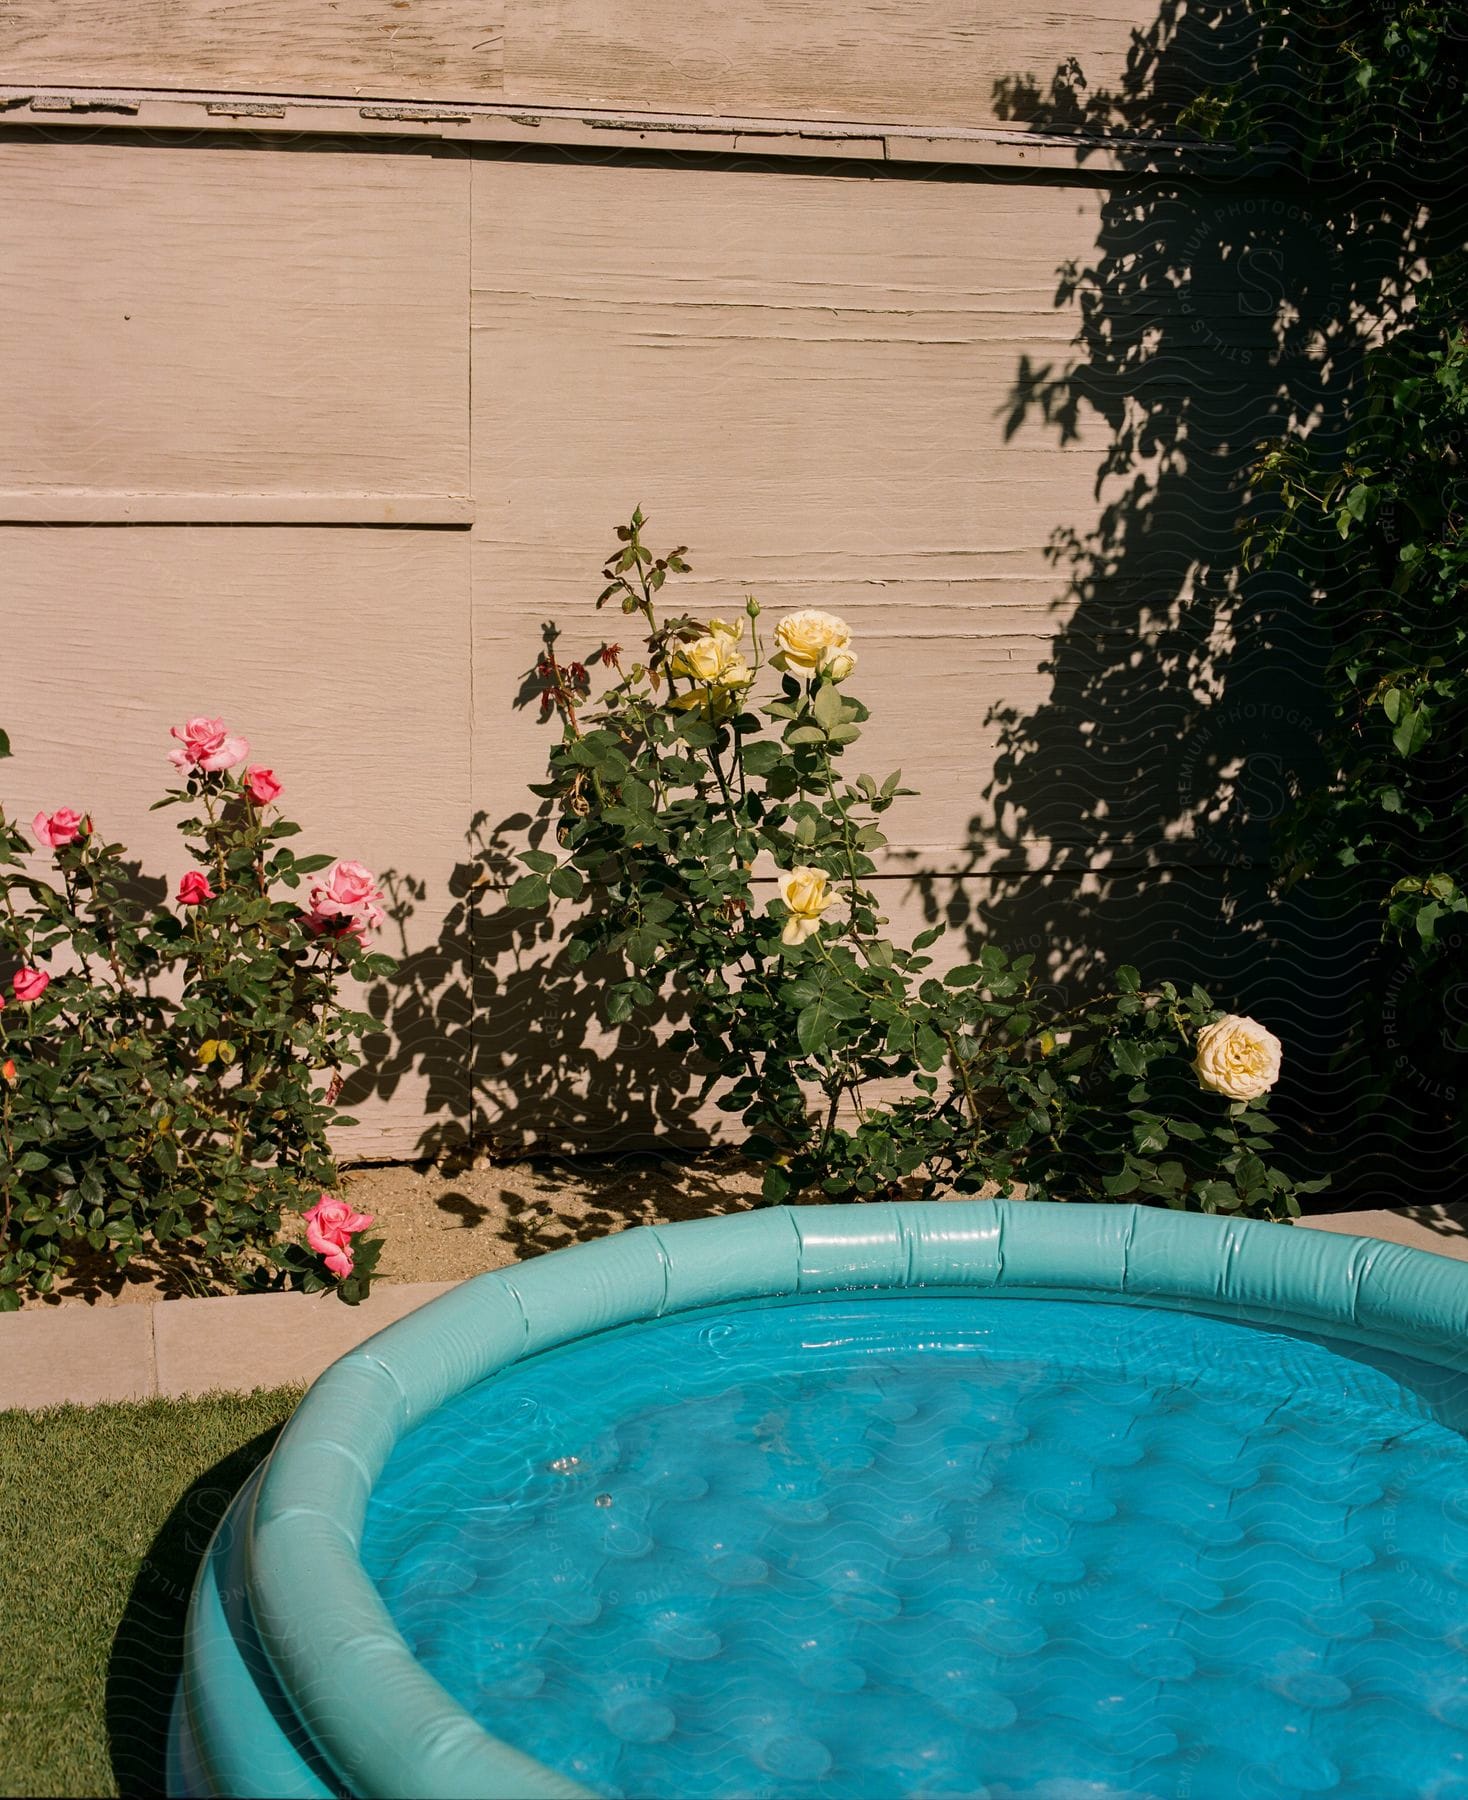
[104,1514]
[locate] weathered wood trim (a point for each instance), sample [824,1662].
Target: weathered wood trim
[104,506]
[149,111]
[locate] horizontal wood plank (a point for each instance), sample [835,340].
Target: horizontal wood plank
[925,62]
[371,47]
[157,112]
[247,320]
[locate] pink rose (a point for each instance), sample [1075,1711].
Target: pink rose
[330,1227]
[205,744]
[345,901]
[62,828]
[194,889]
[261,786]
[30,984]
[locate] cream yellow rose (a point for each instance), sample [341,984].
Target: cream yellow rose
[808,641]
[807,893]
[715,663]
[1237,1057]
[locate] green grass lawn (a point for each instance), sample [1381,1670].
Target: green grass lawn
[104,1514]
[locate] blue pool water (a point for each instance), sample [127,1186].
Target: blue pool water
[948,1546]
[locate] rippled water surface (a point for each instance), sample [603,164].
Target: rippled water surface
[933,1546]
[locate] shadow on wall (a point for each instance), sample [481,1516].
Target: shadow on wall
[1186,707]
[1223,305]
[502,1026]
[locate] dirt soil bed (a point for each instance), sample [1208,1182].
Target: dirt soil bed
[443,1228]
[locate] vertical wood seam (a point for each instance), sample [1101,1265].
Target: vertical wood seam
[471,920]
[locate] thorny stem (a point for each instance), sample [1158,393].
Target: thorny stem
[848,847]
[960,1064]
[835,1095]
[723,785]
[211,838]
[560,690]
[562,697]
[108,919]
[69,882]
[9,1150]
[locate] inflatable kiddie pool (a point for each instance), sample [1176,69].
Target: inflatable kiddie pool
[974,1499]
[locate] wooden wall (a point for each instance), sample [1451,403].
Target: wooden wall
[808,387]
[315,433]
[926,62]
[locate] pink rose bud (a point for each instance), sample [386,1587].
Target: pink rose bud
[62,828]
[205,744]
[30,984]
[194,889]
[261,786]
[330,1226]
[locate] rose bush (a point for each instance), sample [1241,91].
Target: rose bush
[168,1078]
[857,1069]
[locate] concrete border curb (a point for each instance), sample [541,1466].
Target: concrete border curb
[230,1342]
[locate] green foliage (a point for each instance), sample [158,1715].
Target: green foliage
[1381,533]
[1348,85]
[1370,97]
[1385,526]
[859,1067]
[163,1091]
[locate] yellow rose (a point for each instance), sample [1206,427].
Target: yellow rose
[717,702]
[807,893]
[716,665]
[838,664]
[805,640]
[1237,1057]
[712,660]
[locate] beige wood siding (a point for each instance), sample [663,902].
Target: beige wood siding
[236,322]
[928,62]
[809,380]
[384,47]
[925,62]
